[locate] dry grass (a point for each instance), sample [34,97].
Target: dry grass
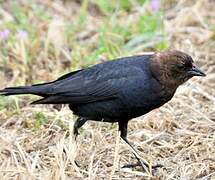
[179,135]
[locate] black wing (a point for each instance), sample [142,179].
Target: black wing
[90,85]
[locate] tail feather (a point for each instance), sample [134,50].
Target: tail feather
[46,100]
[36,90]
[15,90]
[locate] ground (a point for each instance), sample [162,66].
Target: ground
[42,40]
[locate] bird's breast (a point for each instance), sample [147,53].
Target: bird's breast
[141,101]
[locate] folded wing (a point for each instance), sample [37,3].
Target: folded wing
[89,85]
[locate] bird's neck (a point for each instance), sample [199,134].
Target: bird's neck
[162,74]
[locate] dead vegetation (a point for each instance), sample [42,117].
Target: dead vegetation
[37,142]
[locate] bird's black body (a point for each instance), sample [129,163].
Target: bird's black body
[117,91]
[111,91]
[128,90]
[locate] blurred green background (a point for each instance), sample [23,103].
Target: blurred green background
[33,33]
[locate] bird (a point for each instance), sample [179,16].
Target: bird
[117,91]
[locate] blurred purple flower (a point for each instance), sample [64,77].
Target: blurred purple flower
[4,34]
[155,5]
[21,34]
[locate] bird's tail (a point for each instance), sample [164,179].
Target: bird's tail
[40,90]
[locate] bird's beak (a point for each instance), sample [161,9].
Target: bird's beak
[196,71]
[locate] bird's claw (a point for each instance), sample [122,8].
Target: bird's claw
[154,167]
[76,163]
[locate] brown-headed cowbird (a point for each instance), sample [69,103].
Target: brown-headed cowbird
[118,90]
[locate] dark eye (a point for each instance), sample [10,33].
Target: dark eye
[180,66]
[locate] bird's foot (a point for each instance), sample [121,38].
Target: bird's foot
[76,133]
[144,166]
[138,164]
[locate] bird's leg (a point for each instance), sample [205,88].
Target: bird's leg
[123,134]
[78,123]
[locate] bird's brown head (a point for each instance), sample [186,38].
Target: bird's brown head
[172,68]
